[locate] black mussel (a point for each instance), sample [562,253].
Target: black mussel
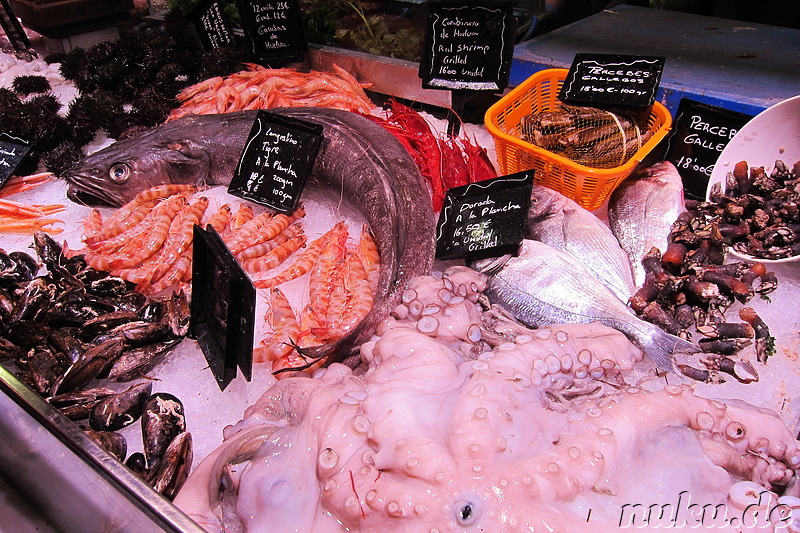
[45,366]
[67,342]
[77,405]
[76,265]
[135,362]
[140,333]
[112,442]
[152,311]
[106,322]
[27,333]
[74,308]
[172,471]
[48,250]
[163,419]
[6,303]
[120,410]
[96,360]
[110,286]
[19,267]
[177,313]
[137,464]
[35,299]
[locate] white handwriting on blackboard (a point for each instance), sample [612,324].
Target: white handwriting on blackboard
[3,163]
[274,137]
[694,138]
[697,123]
[277,165]
[4,151]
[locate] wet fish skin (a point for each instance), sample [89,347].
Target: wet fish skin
[562,223]
[357,160]
[641,212]
[543,285]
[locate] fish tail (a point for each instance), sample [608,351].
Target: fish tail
[661,347]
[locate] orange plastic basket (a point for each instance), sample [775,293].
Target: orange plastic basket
[588,186]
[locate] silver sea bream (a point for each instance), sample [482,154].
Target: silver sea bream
[641,212]
[560,222]
[543,285]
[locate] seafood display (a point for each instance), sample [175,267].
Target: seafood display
[467,421]
[16,217]
[264,88]
[641,212]
[593,137]
[757,212]
[358,161]
[74,334]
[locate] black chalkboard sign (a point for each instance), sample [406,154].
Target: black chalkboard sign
[700,133]
[210,25]
[612,80]
[222,308]
[274,29]
[485,216]
[468,46]
[13,151]
[276,161]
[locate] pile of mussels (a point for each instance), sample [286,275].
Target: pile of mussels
[68,329]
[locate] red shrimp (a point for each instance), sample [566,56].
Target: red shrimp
[276,256]
[285,330]
[455,170]
[370,257]
[180,237]
[325,275]
[478,162]
[242,215]
[257,250]
[267,231]
[175,273]
[242,235]
[220,220]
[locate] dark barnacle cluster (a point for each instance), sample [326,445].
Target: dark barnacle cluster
[758,213]
[689,289]
[74,334]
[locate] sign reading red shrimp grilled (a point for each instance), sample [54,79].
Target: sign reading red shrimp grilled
[468,46]
[274,30]
[603,80]
[210,24]
[12,151]
[484,217]
[276,161]
[222,309]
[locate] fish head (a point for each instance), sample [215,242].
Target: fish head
[545,203]
[115,175]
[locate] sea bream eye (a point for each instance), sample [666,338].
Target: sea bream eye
[120,172]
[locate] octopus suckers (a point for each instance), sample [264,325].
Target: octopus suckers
[574,452]
[605,432]
[478,390]
[522,339]
[735,431]
[360,424]
[705,420]
[328,458]
[394,509]
[481,413]
[562,336]
[674,390]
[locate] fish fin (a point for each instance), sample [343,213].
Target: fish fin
[665,345]
[493,266]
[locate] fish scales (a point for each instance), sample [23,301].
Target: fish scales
[560,222]
[543,285]
[357,160]
[641,212]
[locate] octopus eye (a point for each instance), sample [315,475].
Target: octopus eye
[119,173]
[466,513]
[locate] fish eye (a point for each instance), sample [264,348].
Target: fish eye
[119,172]
[466,513]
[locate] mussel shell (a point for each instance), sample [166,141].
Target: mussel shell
[135,362]
[174,467]
[45,367]
[137,464]
[6,303]
[66,341]
[120,410]
[106,322]
[74,308]
[163,419]
[110,286]
[77,405]
[112,442]
[35,299]
[18,267]
[96,360]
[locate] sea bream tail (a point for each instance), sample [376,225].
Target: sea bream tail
[659,345]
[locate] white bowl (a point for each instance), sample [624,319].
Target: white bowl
[772,134]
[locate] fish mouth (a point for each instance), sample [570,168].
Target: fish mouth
[84,191]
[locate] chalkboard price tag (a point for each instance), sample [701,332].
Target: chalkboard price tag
[13,151]
[603,80]
[468,46]
[274,29]
[222,309]
[210,25]
[700,133]
[276,161]
[485,216]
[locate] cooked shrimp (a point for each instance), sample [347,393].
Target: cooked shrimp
[370,257]
[276,256]
[285,330]
[257,250]
[242,215]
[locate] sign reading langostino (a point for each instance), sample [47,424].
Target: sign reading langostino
[467,46]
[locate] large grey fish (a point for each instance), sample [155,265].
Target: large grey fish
[641,212]
[543,285]
[358,160]
[560,222]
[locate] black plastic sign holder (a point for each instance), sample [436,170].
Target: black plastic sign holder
[276,161]
[13,151]
[468,47]
[612,80]
[222,309]
[699,134]
[484,218]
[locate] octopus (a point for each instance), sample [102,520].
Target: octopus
[461,419]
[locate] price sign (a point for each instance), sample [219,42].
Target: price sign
[484,217]
[700,133]
[222,309]
[612,80]
[12,152]
[276,161]
[274,30]
[468,46]
[210,25]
